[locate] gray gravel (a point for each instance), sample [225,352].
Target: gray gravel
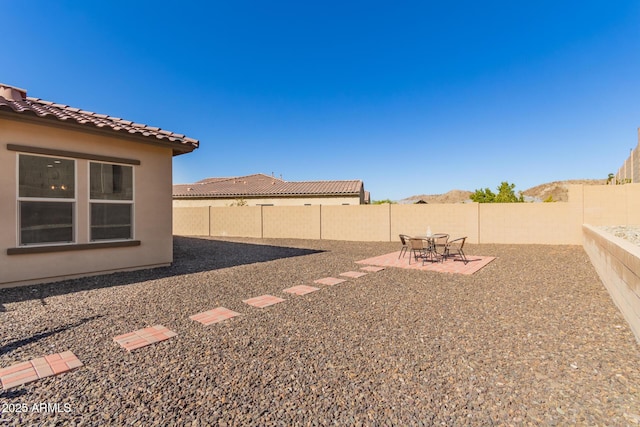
[630,233]
[531,339]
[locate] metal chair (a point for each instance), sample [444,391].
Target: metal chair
[404,239]
[417,249]
[439,243]
[455,247]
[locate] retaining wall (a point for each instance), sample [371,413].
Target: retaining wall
[617,262]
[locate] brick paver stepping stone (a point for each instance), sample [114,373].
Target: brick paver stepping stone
[143,337]
[37,368]
[372,269]
[353,274]
[214,316]
[263,301]
[329,281]
[301,290]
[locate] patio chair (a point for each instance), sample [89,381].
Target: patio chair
[455,247]
[417,248]
[439,242]
[404,239]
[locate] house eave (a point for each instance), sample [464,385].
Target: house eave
[32,118]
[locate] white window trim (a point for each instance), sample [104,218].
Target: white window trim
[132,202]
[73,201]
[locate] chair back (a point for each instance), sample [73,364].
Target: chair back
[416,243]
[457,243]
[440,239]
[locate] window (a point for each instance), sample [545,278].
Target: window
[46,199]
[111,199]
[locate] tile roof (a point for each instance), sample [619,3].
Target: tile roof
[264,185]
[14,100]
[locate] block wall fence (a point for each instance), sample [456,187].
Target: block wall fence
[518,223]
[630,169]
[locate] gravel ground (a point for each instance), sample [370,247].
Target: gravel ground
[531,339]
[627,232]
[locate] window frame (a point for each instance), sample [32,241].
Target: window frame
[73,201]
[80,201]
[91,201]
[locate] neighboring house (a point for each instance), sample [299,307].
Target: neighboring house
[82,193]
[265,190]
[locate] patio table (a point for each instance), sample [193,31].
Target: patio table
[430,250]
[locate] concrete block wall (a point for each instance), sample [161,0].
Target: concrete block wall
[612,204]
[630,169]
[191,221]
[365,223]
[236,221]
[457,220]
[617,262]
[295,222]
[508,223]
[529,223]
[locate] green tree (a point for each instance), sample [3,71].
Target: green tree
[239,202]
[381,202]
[483,196]
[506,194]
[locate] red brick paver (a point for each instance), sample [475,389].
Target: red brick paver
[214,316]
[329,281]
[263,301]
[301,290]
[353,274]
[449,266]
[143,337]
[41,367]
[371,269]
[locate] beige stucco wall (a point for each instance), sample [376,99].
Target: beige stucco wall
[612,204]
[297,222]
[237,221]
[367,223]
[519,223]
[275,201]
[457,220]
[544,223]
[192,221]
[617,262]
[152,209]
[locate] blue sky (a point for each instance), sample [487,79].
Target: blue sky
[412,97]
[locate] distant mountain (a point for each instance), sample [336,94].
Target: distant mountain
[558,190]
[453,196]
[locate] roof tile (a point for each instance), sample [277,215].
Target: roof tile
[263,185]
[64,113]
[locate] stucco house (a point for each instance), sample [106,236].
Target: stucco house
[82,193]
[264,190]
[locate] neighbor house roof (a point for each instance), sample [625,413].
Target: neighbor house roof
[14,101]
[258,185]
